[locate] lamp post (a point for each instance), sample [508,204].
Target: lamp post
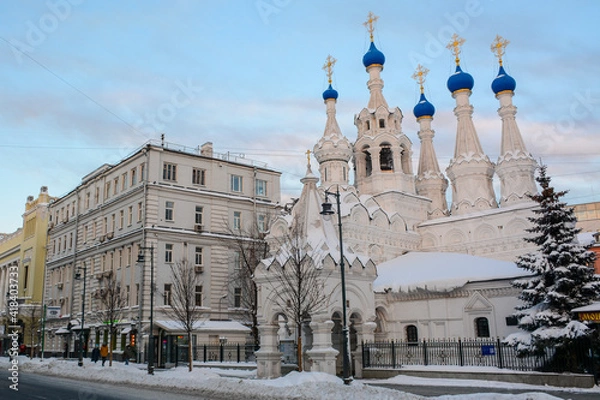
[81,331]
[345,355]
[140,259]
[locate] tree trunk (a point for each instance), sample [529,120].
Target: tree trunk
[110,348]
[299,350]
[190,351]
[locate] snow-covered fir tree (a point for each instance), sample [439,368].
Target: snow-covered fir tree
[563,276]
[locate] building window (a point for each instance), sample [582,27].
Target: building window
[237,220]
[262,223]
[107,190]
[129,215]
[168,253]
[198,176]
[368,125]
[382,123]
[167,294]
[140,211]
[121,219]
[261,187]
[237,262]
[237,297]
[199,296]
[87,200]
[412,334]
[236,183]
[113,220]
[115,186]
[97,196]
[142,172]
[169,208]
[169,172]
[133,177]
[482,327]
[199,218]
[199,258]
[124,182]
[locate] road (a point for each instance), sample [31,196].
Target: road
[432,391]
[43,387]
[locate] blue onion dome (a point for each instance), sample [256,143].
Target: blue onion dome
[460,80]
[373,56]
[503,82]
[330,93]
[423,108]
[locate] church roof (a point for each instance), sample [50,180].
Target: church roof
[438,271]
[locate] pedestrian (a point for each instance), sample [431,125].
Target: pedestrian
[103,353]
[95,354]
[126,354]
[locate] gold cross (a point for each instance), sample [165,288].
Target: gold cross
[328,67]
[308,157]
[454,46]
[420,75]
[498,47]
[371,18]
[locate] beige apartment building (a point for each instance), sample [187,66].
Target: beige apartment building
[168,203]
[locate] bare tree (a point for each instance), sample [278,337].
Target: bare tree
[112,301]
[185,305]
[32,322]
[297,283]
[251,247]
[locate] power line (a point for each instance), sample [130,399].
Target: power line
[71,85]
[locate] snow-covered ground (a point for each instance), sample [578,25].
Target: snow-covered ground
[238,383]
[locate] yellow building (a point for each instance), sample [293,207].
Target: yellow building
[24,251]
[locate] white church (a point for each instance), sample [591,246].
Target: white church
[415,267]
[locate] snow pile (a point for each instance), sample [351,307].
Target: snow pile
[209,381]
[440,271]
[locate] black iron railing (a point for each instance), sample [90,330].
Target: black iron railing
[487,352]
[231,353]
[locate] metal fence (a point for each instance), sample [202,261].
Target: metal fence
[486,352]
[230,353]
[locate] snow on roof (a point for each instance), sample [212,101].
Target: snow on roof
[205,326]
[440,271]
[589,308]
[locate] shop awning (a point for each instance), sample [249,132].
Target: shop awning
[204,326]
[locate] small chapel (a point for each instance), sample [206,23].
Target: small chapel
[413,265]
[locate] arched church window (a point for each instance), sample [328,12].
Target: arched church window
[382,123]
[326,178]
[412,334]
[344,174]
[368,125]
[482,327]
[386,160]
[368,163]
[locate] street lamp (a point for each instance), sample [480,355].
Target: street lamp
[140,259]
[81,331]
[327,210]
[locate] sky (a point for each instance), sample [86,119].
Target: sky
[216,378]
[88,82]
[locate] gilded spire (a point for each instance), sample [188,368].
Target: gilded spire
[498,47]
[455,45]
[328,67]
[420,75]
[371,19]
[308,152]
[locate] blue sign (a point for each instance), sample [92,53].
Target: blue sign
[488,350]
